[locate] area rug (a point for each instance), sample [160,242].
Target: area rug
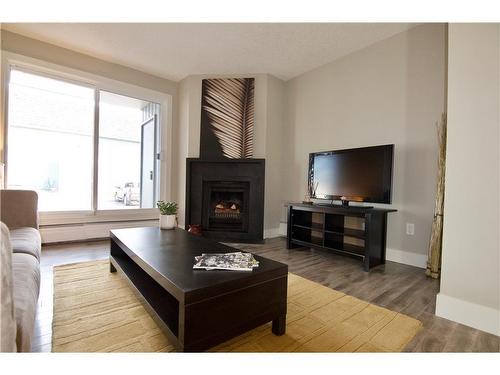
[97,311]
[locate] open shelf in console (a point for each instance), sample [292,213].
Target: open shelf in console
[307,235]
[331,228]
[337,242]
[303,219]
[312,226]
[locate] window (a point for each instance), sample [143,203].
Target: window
[75,161]
[50,140]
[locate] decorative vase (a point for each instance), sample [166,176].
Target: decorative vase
[195,229]
[167,221]
[307,199]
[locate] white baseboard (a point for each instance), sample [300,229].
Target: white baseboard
[81,232]
[275,232]
[406,257]
[470,314]
[271,233]
[282,229]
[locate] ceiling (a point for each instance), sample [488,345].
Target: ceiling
[176,50]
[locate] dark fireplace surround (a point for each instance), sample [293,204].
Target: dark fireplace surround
[227,198]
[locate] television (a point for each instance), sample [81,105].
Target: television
[356,175]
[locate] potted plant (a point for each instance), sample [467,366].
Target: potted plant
[168,212]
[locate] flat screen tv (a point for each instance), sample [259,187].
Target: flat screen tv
[357,174]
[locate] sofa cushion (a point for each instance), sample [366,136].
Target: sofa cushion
[7,316]
[26,277]
[26,240]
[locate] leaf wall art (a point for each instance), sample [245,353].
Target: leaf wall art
[227,118]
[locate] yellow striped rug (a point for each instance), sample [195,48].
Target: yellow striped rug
[97,311]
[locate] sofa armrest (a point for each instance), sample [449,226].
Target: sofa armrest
[8,325]
[19,208]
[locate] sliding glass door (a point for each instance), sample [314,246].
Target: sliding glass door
[79,147]
[148,162]
[124,153]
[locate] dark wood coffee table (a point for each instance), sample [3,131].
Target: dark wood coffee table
[198,309]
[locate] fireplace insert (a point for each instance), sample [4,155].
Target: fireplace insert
[225,206]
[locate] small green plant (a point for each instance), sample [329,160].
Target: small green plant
[167,208]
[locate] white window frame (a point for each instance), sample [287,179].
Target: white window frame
[99,83]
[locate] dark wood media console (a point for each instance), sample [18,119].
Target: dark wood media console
[324,227]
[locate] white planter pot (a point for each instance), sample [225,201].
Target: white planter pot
[167,221]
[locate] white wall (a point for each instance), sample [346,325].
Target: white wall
[275,149]
[269,111]
[180,134]
[470,290]
[390,92]
[2,90]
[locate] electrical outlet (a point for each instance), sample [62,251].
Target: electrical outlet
[410,229]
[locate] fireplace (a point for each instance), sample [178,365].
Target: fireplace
[225,206]
[227,198]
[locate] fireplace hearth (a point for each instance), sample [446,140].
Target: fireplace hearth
[227,198]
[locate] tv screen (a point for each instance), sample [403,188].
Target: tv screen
[358,174]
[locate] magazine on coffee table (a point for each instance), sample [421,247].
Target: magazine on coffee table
[237,261]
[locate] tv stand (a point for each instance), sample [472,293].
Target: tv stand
[343,205]
[321,226]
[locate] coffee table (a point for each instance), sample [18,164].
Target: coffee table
[198,309]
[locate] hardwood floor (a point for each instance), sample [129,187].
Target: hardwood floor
[395,286]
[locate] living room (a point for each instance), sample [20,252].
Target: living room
[123,164]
